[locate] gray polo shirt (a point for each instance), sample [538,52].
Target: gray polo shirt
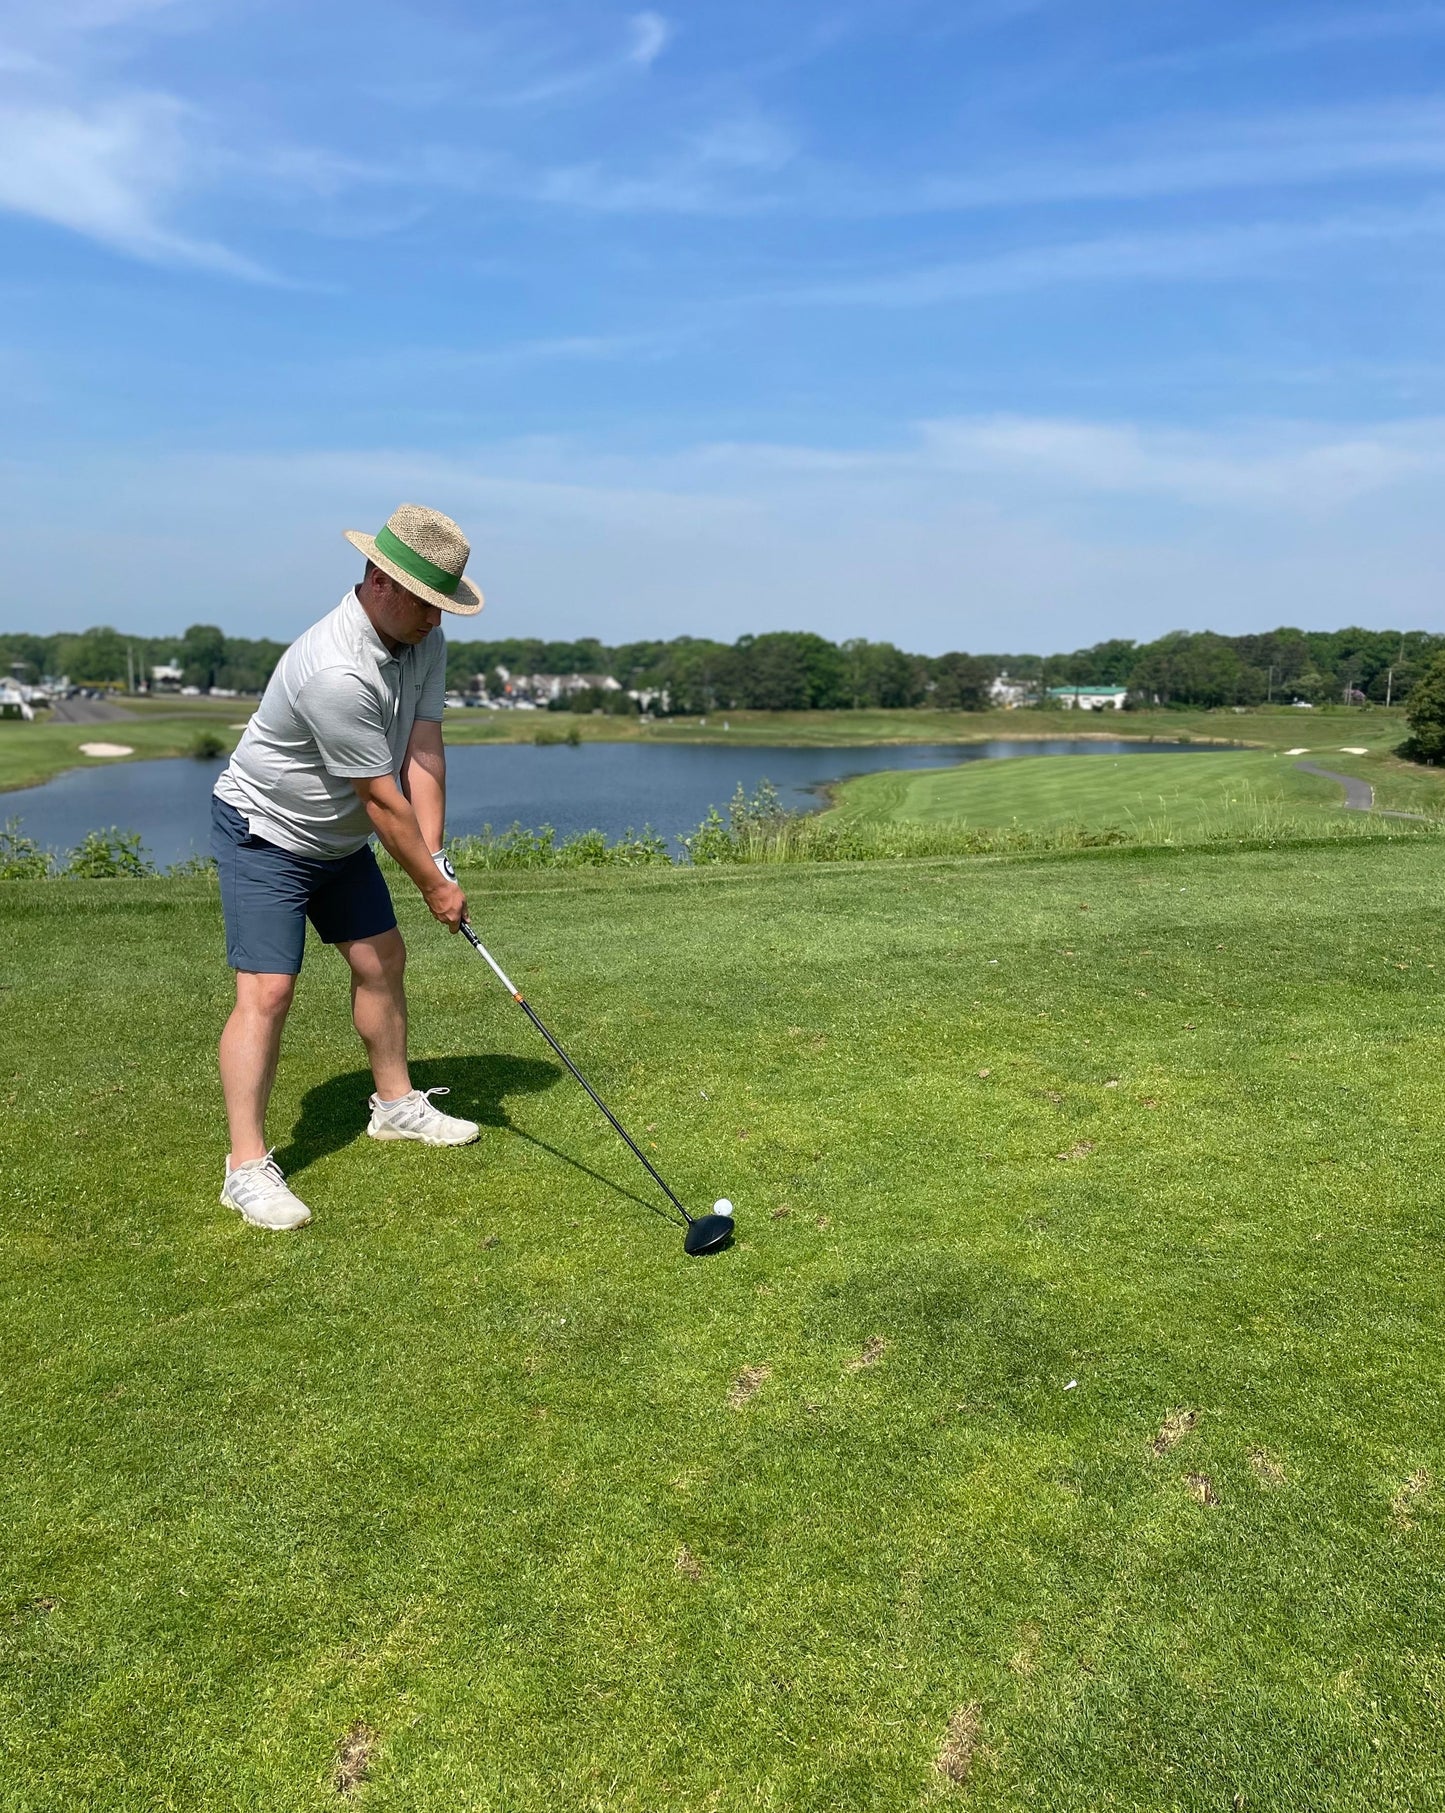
[339,707]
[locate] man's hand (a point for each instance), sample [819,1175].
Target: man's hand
[395,823]
[440,900]
[447,903]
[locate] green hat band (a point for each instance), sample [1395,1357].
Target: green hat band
[438,578]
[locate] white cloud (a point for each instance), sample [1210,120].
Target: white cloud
[975,532]
[109,172]
[1261,248]
[1276,468]
[1307,146]
[93,156]
[651,34]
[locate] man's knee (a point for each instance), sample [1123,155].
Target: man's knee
[267,995]
[379,959]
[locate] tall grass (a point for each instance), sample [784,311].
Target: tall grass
[759,829]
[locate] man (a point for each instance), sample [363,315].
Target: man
[346,742]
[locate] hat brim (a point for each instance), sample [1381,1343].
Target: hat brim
[466,601]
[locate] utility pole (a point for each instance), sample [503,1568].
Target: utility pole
[1389,687]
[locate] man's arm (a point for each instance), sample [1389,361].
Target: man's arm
[395,823]
[424,781]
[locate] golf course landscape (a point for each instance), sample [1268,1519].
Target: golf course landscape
[1063,1428]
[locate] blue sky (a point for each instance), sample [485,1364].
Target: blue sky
[965,323]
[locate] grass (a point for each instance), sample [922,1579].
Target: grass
[478,1495]
[32,753]
[1175,796]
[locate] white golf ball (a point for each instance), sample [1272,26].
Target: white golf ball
[722,1206]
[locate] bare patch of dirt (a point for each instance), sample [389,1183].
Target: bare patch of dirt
[687,1564]
[746,1386]
[783,1210]
[1410,1498]
[872,1352]
[353,1758]
[954,1761]
[1024,1659]
[825,1222]
[1201,1488]
[1080,1149]
[492,1240]
[1266,1468]
[1173,1430]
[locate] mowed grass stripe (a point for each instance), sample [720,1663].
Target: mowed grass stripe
[259,1490]
[1184,792]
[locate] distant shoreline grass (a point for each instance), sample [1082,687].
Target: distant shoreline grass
[31,754]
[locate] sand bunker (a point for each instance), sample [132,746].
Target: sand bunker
[106,749]
[1346,751]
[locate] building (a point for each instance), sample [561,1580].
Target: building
[16,700]
[541,689]
[1010,694]
[1089,698]
[166,676]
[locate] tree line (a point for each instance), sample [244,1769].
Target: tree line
[788,670]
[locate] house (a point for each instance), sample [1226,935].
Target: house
[15,700]
[166,676]
[1089,698]
[1010,694]
[541,689]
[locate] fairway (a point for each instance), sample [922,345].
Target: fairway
[1068,1412]
[1179,794]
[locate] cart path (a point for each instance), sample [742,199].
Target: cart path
[1359,795]
[87,711]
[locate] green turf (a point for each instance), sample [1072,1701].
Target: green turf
[33,752]
[1166,1125]
[1181,794]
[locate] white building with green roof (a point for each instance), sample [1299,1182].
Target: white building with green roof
[1089,698]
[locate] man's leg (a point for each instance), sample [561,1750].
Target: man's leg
[250,1046]
[378,1007]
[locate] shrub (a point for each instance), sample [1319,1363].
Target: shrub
[109,853]
[207,746]
[192,866]
[21,858]
[1425,714]
[518,848]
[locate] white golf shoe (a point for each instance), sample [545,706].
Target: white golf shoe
[257,1192]
[413,1117]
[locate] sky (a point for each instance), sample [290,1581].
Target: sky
[980,324]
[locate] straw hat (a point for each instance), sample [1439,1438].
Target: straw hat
[425,552]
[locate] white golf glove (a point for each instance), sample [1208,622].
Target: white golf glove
[444,863]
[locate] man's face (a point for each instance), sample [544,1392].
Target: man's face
[403,617]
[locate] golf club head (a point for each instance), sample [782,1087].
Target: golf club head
[708,1234]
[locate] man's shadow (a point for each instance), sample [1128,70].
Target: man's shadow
[334,1113]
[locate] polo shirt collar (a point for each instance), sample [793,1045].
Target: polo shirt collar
[367,640]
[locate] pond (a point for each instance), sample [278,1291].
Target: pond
[609,787]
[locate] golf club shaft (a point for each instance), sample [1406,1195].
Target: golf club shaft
[526,1007]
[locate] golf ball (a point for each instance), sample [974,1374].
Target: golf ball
[722,1206]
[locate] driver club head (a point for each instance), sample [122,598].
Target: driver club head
[708,1234]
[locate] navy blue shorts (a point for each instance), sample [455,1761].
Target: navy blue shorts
[268,894]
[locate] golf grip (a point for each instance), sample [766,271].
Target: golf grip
[526,1007]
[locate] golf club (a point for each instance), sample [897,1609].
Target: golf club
[705,1233]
